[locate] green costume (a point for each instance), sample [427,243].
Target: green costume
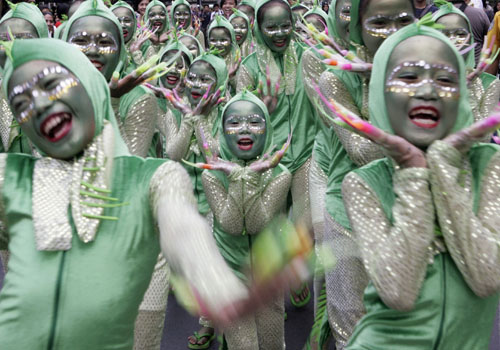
[248,45]
[69,257]
[157,46]
[244,203]
[200,46]
[424,269]
[190,30]
[484,91]
[294,112]
[12,138]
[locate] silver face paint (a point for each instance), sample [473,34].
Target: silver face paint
[381,26]
[104,43]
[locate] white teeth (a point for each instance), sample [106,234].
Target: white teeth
[423,111]
[54,122]
[424,121]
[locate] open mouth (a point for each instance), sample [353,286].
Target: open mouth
[172,79]
[245,144]
[157,24]
[426,117]
[181,23]
[56,126]
[195,95]
[98,65]
[125,33]
[280,42]
[239,37]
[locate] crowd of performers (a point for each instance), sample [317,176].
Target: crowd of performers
[138,153]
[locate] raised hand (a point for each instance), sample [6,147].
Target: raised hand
[145,72]
[208,102]
[403,152]
[269,99]
[462,140]
[144,34]
[235,66]
[487,57]
[267,161]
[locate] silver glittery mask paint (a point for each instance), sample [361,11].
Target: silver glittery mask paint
[25,107]
[381,26]
[201,81]
[103,42]
[255,123]
[408,83]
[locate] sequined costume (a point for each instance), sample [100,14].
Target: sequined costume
[81,261]
[425,234]
[294,112]
[248,46]
[244,203]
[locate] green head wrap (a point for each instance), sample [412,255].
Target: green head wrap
[250,3]
[257,32]
[330,21]
[449,9]
[200,48]
[220,21]
[220,69]
[172,10]
[97,8]
[30,13]
[316,10]
[377,106]
[148,8]
[225,152]
[121,3]
[76,62]
[355,24]
[177,45]
[238,13]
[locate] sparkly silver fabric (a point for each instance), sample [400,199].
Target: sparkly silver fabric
[6,119]
[395,255]
[205,124]
[312,68]
[148,328]
[244,80]
[177,137]
[360,149]
[187,241]
[263,330]
[250,202]
[345,283]
[471,239]
[483,101]
[4,239]
[4,257]
[265,58]
[138,126]
[301,207]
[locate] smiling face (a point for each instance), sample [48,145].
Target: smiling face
[382,18]
[220,39]
[422,90]
[141,8]
[249,11]
[99,39]
[174,75]
[456,29]
[200,78]
[157,17]
[240,29]
[52,107]
[245,129]
[20,28]
[191,44]
[126,19]
[228,7]
[276,26]
[182,16]
[343,18]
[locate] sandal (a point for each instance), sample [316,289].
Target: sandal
[198,337]
[297,293]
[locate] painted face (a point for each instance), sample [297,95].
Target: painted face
[456,29]
[220,39]
[20,28]
[98,38]
[343,18]
[191,44]
[228,8]
[126,19]
[422,90]
[245,129]
[249,11]
[141,8]
[200,78]
[298,12]
[157,18]
[383,18]
[174,76]
[240,29]
[277,28]
[316,21]
[182,16]
[52,107]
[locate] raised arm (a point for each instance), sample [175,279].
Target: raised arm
[472,238]
[395,254]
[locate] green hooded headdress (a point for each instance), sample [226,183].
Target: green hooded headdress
[450,9]
[30,13]
[220,21]
[97,8]
[172,10]
[316,10]
[176,45]
[148,8]
[330,21]
[238,13]
[220,69]
[76,62]
[250,3]
[200,47]
[122,3]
